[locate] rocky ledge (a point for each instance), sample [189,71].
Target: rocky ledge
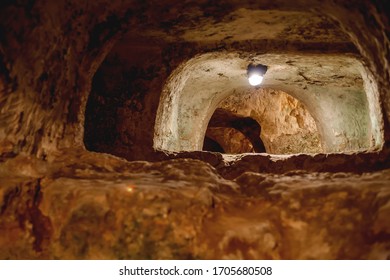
[96,206]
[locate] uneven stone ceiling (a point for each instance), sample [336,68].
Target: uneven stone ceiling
[61,201]
[247,25]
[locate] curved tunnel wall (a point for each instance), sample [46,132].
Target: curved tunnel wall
[55,90]
[331,87]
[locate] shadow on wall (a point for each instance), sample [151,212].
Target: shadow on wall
[247,126]
[212,145]
[287,127]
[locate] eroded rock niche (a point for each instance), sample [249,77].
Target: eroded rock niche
[286,125]
[122,105]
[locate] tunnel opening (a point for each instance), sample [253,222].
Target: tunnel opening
[120,110]
[330,98]
[308,103]
[236,133]
[147,98]
[264,121]
[212,145]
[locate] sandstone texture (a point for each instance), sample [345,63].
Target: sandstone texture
[286,125]
[104,109]
[101,207]
[231,140]
[243,129]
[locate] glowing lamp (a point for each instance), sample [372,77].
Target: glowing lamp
[256,74]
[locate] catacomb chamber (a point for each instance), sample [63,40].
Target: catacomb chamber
[143,80]
[308,103]
[154,93]
[331,91]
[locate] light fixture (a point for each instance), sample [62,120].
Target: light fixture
[256,73]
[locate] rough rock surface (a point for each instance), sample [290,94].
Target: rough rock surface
[127,87]
[330,86]
[231,140]
[47,99]
[101,207]
[58,200]
[286,125]
[247,126]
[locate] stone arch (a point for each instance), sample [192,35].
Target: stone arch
[331,87]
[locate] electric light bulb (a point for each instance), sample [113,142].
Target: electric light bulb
[255,79]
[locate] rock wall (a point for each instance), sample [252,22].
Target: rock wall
[49,54]
[231,140]
[121,109]
[286,125]
[337,102]
[47,98]
[59,201]
[242,130]
[95,206]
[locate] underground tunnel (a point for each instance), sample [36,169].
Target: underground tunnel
[330,86]
[131,131]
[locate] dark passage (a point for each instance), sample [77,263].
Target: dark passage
[246,125]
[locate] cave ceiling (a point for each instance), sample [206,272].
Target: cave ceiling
[257,30]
